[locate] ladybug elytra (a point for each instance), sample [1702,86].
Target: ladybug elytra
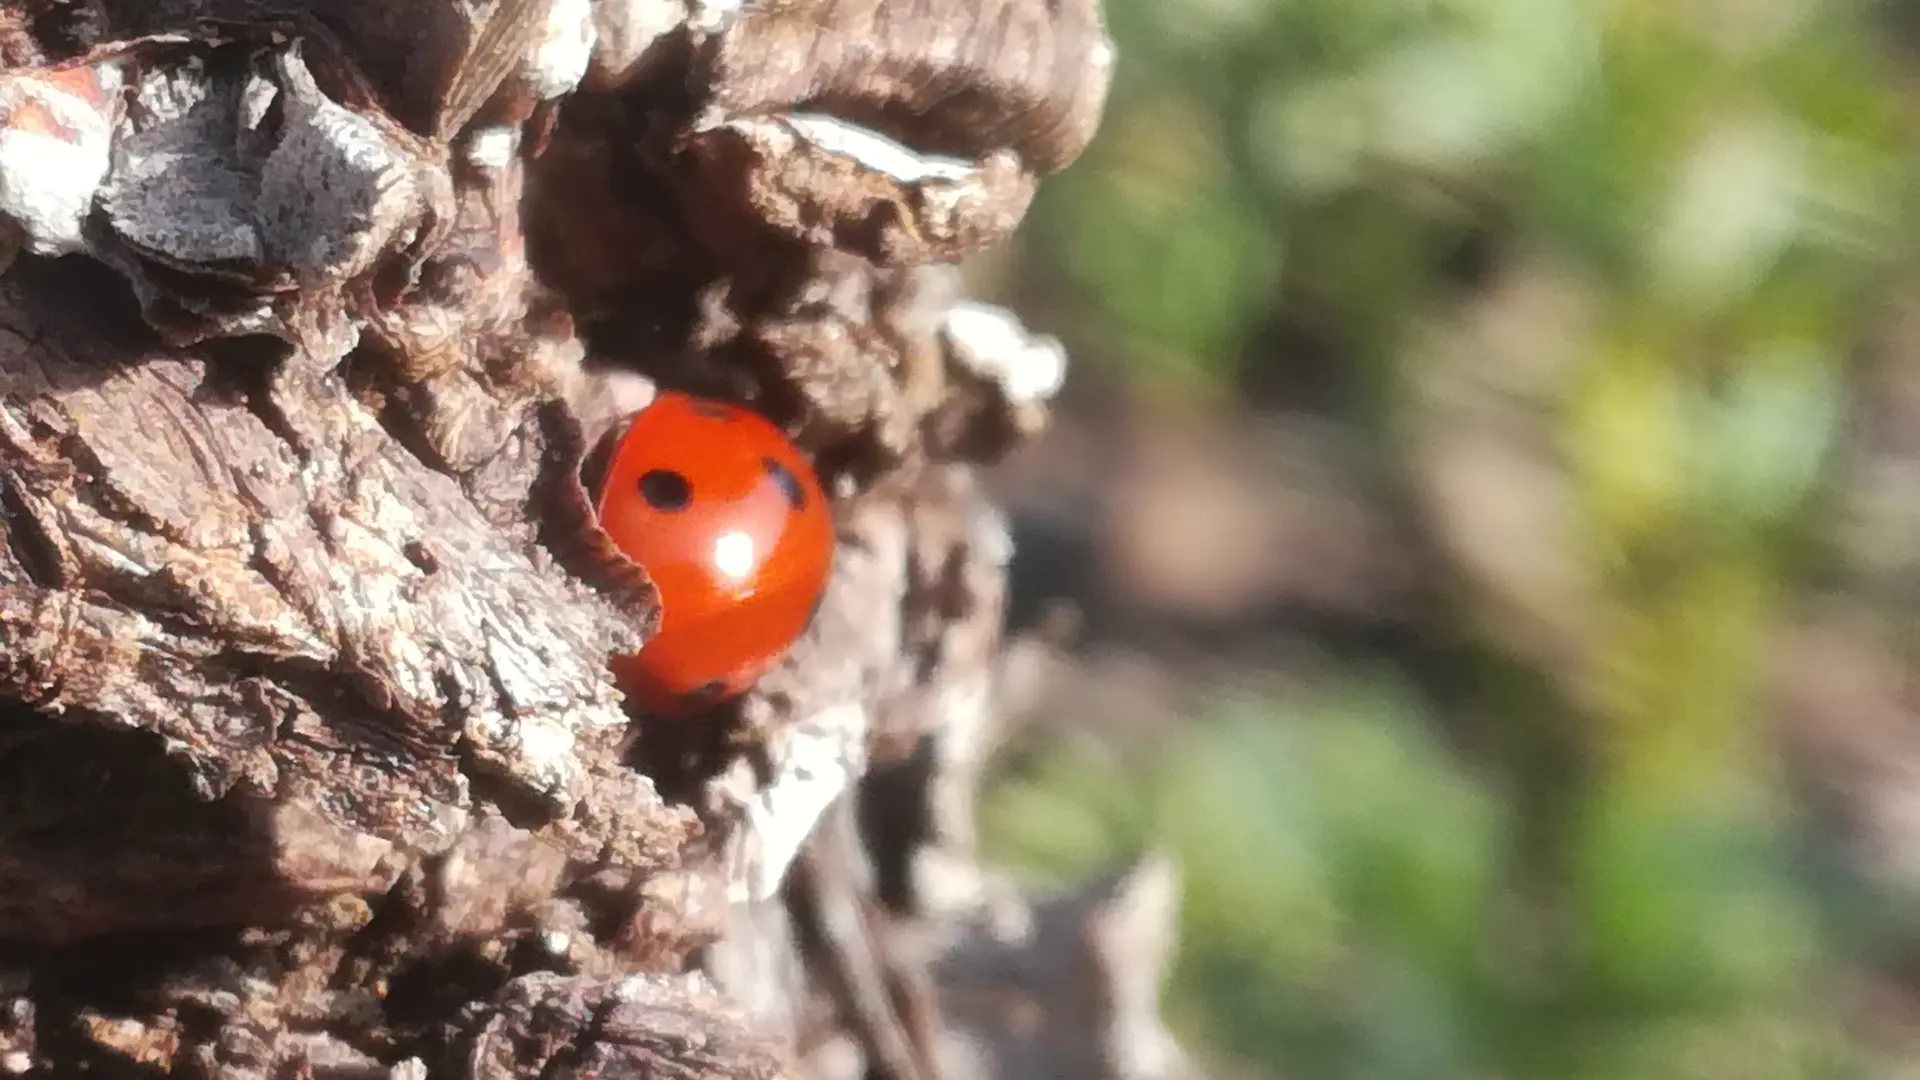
[727,517]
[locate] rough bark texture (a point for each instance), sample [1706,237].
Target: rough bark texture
[310,763]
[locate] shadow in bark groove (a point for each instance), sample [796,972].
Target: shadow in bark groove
[101,833]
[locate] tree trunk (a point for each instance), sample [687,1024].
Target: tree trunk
[310,762]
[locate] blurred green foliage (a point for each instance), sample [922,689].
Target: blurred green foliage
[1731,184]
[1350,909]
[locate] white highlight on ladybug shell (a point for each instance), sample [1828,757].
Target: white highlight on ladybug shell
[733,554]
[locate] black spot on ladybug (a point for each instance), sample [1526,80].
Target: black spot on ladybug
[789,483]
[665,489]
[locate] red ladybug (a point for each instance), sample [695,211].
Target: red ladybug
[725,514]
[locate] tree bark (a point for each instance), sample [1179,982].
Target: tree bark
[310,763]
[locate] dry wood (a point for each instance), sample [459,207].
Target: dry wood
[310,764]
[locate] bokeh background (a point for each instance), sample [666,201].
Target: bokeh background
[1490,488]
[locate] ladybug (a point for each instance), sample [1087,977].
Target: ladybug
[727,517]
